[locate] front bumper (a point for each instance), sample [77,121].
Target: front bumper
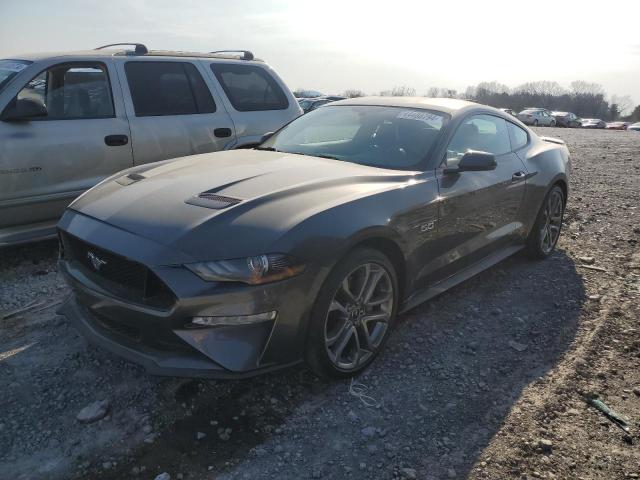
[161,340]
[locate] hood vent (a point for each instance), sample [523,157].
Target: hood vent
[129,179]
[213,200]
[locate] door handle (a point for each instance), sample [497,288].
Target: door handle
[222,132]
[516,177]
[116,140]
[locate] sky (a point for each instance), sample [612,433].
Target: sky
[333,45]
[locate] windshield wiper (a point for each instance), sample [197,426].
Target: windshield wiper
[321,155]
[324,155]
[267,149]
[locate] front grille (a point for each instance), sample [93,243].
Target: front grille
[120,276]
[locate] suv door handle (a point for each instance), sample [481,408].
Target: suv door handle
[222,132]
[116,140]
[516,177]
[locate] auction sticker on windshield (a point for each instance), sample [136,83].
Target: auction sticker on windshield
[426,117]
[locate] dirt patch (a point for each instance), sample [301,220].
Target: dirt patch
[485,381]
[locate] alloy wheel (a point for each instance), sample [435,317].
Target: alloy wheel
[552,221]
[358,316]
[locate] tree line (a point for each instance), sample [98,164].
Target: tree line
[585,99]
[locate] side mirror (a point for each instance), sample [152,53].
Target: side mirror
[23,109]
[266,136]
[474,161]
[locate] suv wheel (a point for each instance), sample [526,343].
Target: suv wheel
[353,314]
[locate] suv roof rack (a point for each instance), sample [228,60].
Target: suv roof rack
[246,54]
[140,49]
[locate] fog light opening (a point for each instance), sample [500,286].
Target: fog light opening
[233,319]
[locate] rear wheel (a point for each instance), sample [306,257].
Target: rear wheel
[353,314]
[545,233]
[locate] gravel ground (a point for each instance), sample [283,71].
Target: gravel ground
[488,380]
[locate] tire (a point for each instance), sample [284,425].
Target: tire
[535,123]
[543,237]
[553,123]
[339,328]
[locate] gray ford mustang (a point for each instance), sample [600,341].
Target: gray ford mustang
[307,248]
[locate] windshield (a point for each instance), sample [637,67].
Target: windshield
[386,137]
[9,69]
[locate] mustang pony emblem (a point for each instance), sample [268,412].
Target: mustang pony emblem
[96,261]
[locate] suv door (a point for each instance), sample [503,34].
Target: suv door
[255,96]
[47,161]
[171,110]
[479,212]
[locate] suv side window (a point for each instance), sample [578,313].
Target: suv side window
[250,88]
[480,132]
[167,88]
[71,91]
[519,137]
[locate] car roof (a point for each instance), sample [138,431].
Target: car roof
[447,105]
[119,52]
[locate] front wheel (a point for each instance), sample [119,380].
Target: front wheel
[353,314]
[552,124]
[545,233]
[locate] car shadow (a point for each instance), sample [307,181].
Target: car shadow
[436,396]
[463,359]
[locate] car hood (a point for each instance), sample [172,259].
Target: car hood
[249,193]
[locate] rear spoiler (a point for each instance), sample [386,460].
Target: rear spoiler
[552,140]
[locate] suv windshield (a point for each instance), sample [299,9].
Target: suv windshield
[9,69]
[386,137]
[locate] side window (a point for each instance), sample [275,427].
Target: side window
[71,91]
[250,88]
[519,137]
[167,88]
[480,132]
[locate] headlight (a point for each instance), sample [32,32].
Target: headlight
[252,270]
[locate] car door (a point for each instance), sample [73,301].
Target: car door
[82,137]
[171,110]
[478,210]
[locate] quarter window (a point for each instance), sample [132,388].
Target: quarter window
[519,137]
[167,88]
[71,91]
[250,88]
[485,133]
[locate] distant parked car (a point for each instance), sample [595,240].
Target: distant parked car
[67,121]
[618,125]
[509,111]
[634,127]
[309,104]
[537,117]
[593,123]
[308,94]
[566,119]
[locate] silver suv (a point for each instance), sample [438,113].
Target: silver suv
[69,120]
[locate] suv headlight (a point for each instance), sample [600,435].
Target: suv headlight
[252,270]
